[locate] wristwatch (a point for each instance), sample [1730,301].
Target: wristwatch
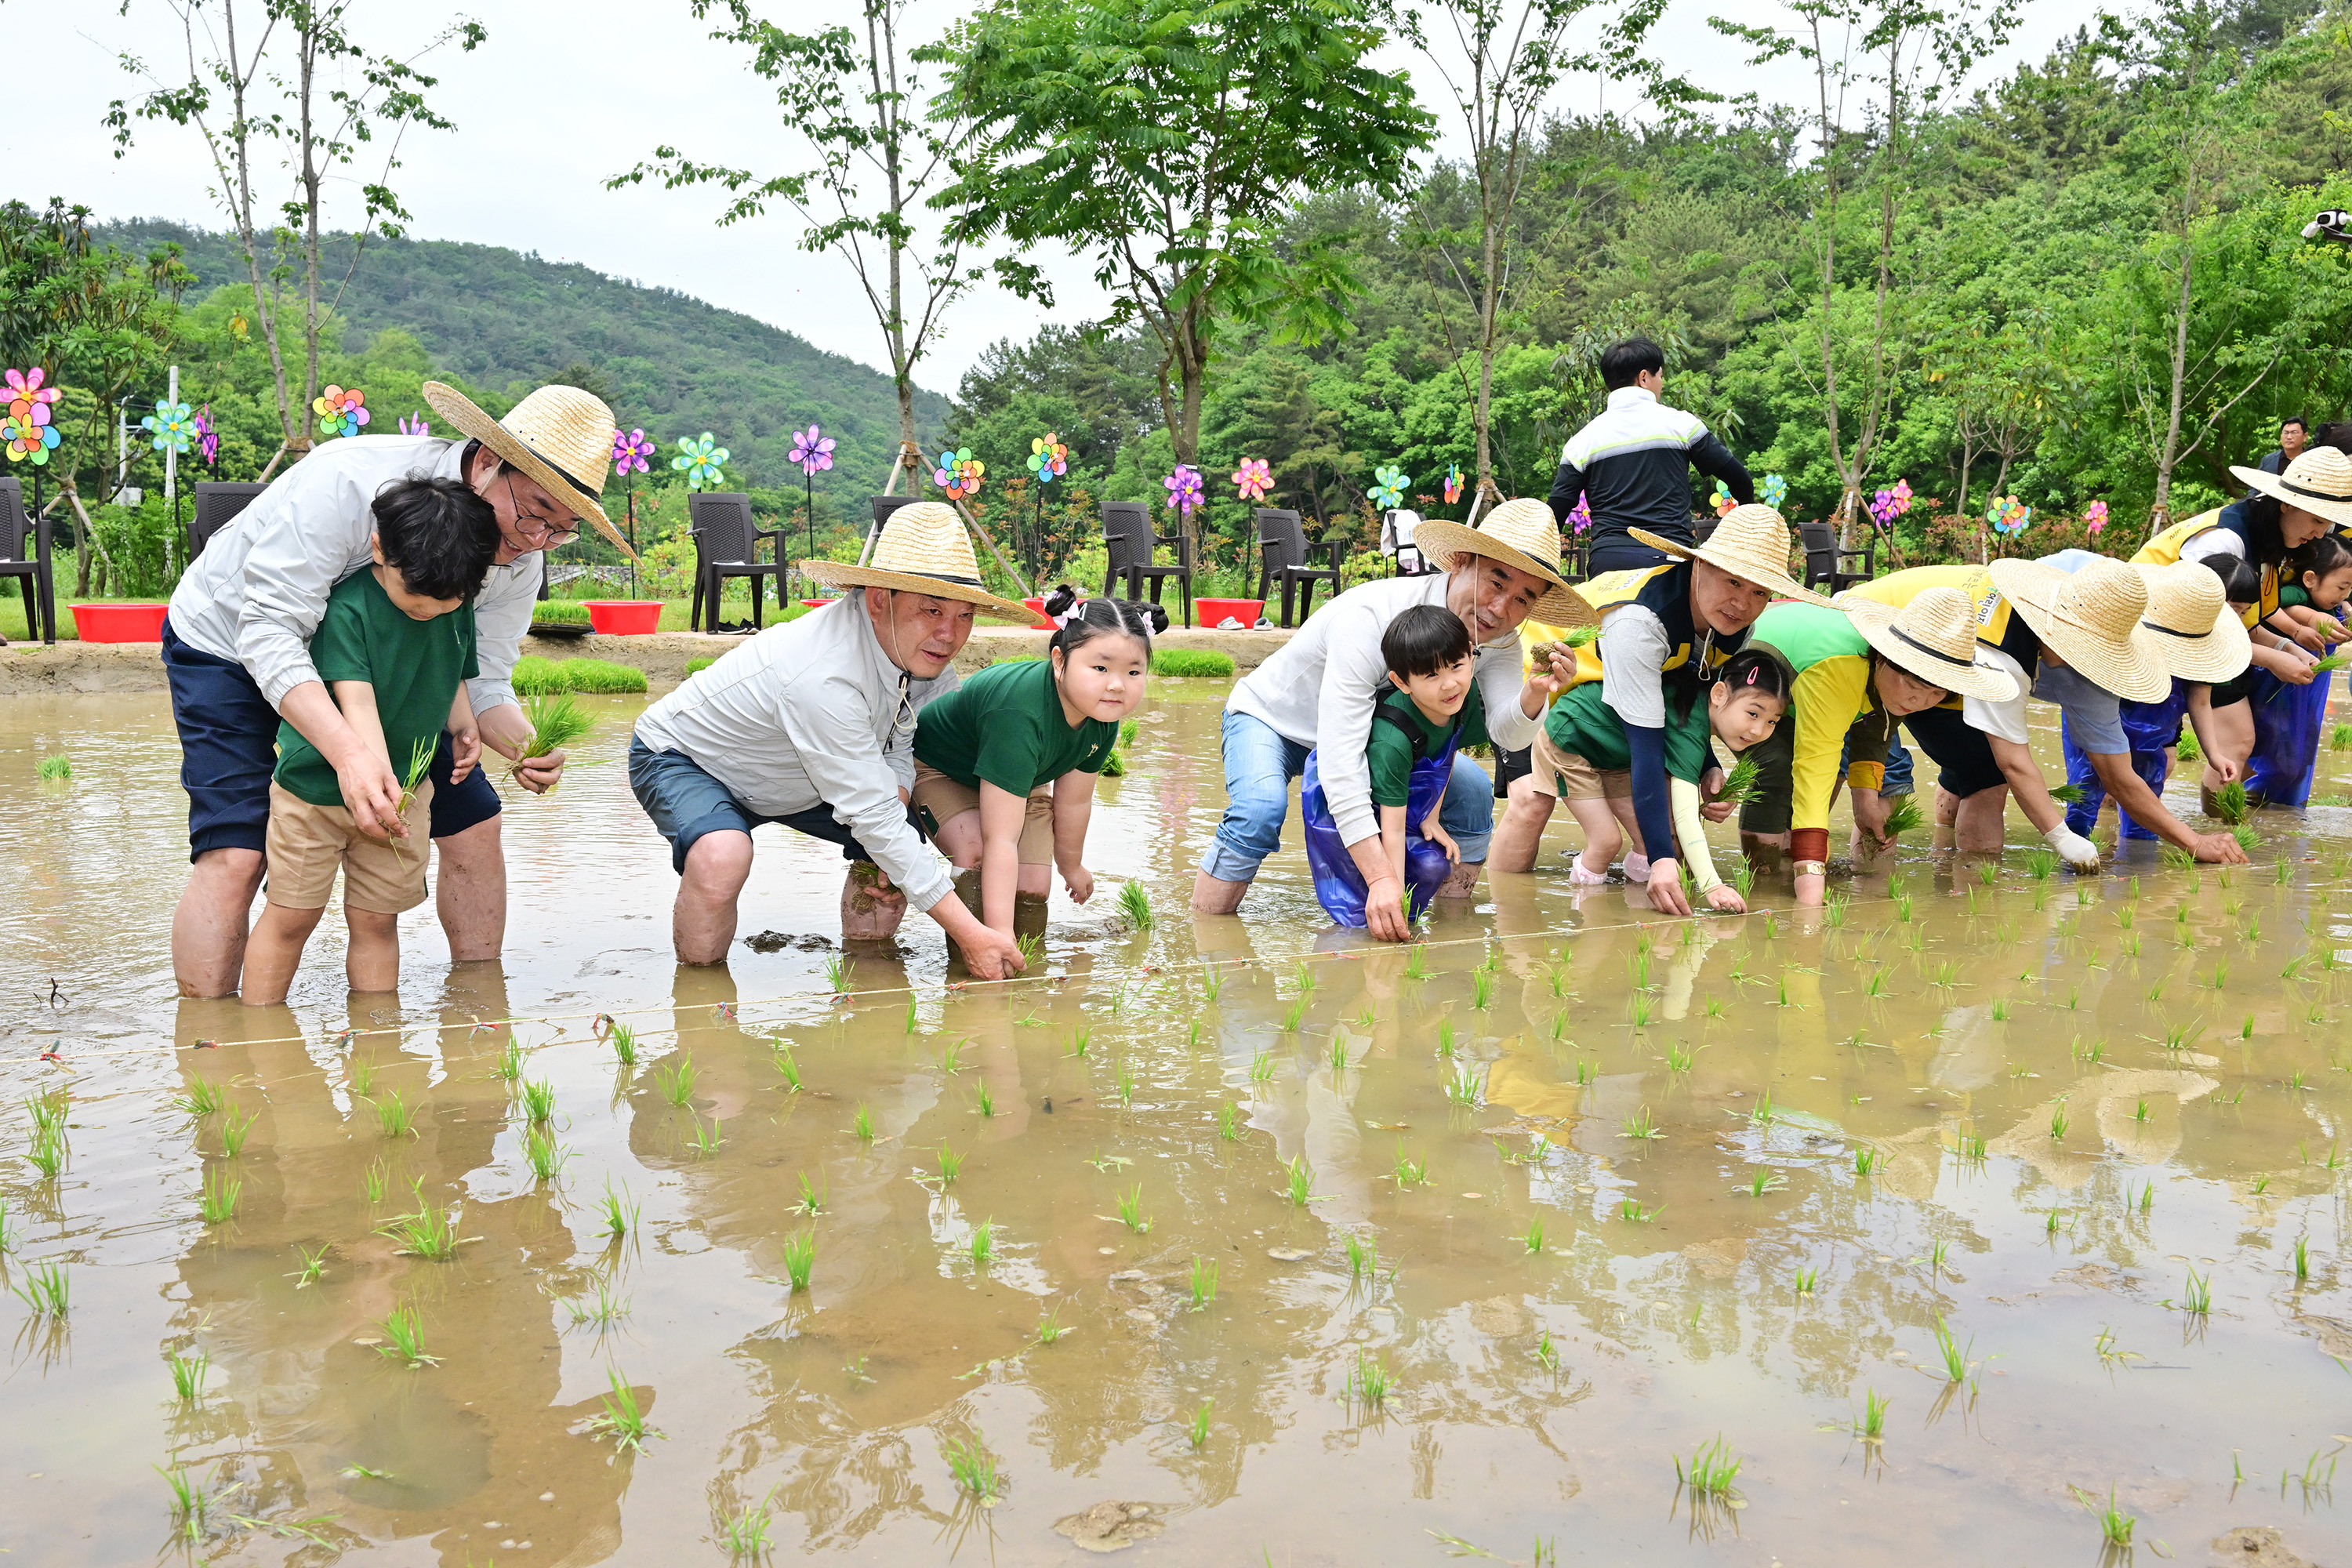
[1813,868]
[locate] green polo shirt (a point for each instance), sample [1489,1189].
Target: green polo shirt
[415,667]
[1583,725]
[1388,755]
[1005,725]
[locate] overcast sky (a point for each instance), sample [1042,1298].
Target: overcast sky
[568,93]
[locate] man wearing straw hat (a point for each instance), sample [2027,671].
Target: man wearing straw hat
[1321,688]
[1858,671]
[810,724]
[2085,631]
[1691,614]
[236,651]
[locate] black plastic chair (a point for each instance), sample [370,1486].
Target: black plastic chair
[1129,542]
[727,545]
[219,502]
[1285,554]
[24,555]
[1825,563]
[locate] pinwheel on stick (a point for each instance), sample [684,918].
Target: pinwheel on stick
[812,450]
[1387,485]
[633,453]
[342,411]
[701,460]
[1048,460]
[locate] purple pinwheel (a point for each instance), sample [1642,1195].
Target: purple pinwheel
[415,424]
[631,451]
[812,450]
[1581,518]
[207,436]
[1184,491]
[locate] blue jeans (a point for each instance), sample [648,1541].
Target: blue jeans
[1260,763]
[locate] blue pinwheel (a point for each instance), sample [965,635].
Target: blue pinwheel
[1388,485]
[173,425]
[700,458]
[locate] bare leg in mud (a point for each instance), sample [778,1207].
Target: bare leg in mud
[871,908]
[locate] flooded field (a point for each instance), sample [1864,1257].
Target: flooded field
[1956,1214]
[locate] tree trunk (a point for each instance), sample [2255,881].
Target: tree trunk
[2160,513]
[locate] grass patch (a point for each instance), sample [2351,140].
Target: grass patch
[538,677]
[1191,661]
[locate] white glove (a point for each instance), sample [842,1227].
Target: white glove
[2073,849]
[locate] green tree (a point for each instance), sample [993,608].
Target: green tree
[1162,139]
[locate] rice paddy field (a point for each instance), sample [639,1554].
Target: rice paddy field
[1991,1216]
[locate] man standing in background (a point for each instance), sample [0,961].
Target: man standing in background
[1632,463]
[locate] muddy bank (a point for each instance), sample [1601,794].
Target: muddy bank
[91,667]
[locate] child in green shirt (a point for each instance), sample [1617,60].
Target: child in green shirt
[394,648]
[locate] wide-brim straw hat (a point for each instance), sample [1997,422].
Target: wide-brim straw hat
[923,550]
[560,435]
[1751,543]
[1521,534]
[2198,635]
[1933,637]
[2318,482]
[2093,618]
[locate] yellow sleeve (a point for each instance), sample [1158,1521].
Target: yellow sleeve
[1826,700]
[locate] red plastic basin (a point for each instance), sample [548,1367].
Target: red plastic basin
[1037,609]
[1213,612]
[624,617]
[119,623]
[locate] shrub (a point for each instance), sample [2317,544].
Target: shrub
[1191,661]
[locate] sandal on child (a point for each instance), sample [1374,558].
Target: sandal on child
[1637,867]
[1577,876]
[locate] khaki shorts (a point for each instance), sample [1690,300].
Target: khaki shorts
[1564,776]
[308,842]
[941,799]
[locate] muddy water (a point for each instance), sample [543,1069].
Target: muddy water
[1541,1383]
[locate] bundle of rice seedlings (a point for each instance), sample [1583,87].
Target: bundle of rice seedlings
[2187,748]
[56,769]
[2069,795]
[2230,803]
[560,613]
[600,675]
[1905,816]
[420,763]
[1115,765]
[1740,784]
[556,723]
[1191,661]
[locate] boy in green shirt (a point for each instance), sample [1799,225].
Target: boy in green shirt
[396,648]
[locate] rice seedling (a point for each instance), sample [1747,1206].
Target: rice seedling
[1876,987]
[404,1327]
[1050,1328]
[622,1420]
[1973,1148]
[984,1102]
[1302,978]
[1588,1072]
[2148,1198]
[2041,863]
[2059,1123]
[676,1081]
[538,1100]
[1547,1353]
[744,1533]
[1363,1259]
[1866,1160]
[1678,1059]
[1445,1042]
[2196,1294]
[1416,965]
[1639,1125]
[201,1098]
[188,1372]
[1135,906]
[2139,1113]
[1204,1282]
[1294,1016]
[2001,1010]
[1643,1010]
[217,1203]
[1833,909]
[1711,1470]
[55,768]
[914,1015]
[837,971]
[1871,1427]
[1131,1210]
[2115,1524]
[2175,857]
[800,1259]
[557,721]
[1946,975]
[1369,1383]
[974,1467]
[1808,1280]
[1951,1353]
[2052,1221]
[45,1290]
[427,1233]
[1772,927]
[510,1065]
[624,1041]
[374,1180]
[396,1116]
[620,1211]
[1716,1009]
[1462,1089]
[420,763]
[191,1507]
[1762,1114]
[1229,1122]
[1743,876]
[2230,803]
[1764,1181]
[1632,1210]
[1339,1053]
[1300,1186]
[1409,1171]
[1482,990]
[982,1245]
[2262,1186]
[1213,981]
[704,1141]
[236,1127]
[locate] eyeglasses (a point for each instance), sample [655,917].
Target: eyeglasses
[556,532]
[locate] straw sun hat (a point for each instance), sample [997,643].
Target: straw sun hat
[923,550]
[1521,534]
[1751,543]
[1934,638]
[2318,482]
[558,436]
[2093,617]
[2198,635]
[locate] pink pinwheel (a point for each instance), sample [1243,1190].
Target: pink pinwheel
[1254,479]
[2095,514]
[1580,517]
[415,424]
[1184,489]
[207,434]
[632,451]
[23,391]
[812,450]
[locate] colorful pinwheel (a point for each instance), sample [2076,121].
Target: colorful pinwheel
[1722,499]
[1580,518]
[172,427]
[1888,505]
[632,452]
[341,410]
[1253,479]
[812,450]
[1453,483]
[1775,491]
[699,458]
[959,473]
[1388,485]
[27,426]
[1048,458]
[207,434]
[415,424]
[2095,514]
[1184,491]
[2008,515]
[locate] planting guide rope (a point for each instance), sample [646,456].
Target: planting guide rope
[725,1012]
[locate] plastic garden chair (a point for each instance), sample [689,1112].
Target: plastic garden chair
[726,545]
[1128,541]
[24,555]
[1282,539]
[219,502]
[1825,563]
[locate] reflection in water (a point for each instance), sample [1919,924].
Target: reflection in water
[2027,1109]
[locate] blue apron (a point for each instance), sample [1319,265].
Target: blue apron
[2287,723]
[1339,884]
[2150,727]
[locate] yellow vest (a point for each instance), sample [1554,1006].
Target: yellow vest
[1899,588]
[1656,589]
[2164,550]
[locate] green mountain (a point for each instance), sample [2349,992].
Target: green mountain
[501,319]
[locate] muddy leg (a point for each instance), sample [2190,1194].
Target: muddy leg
[208,928]
[871,908]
